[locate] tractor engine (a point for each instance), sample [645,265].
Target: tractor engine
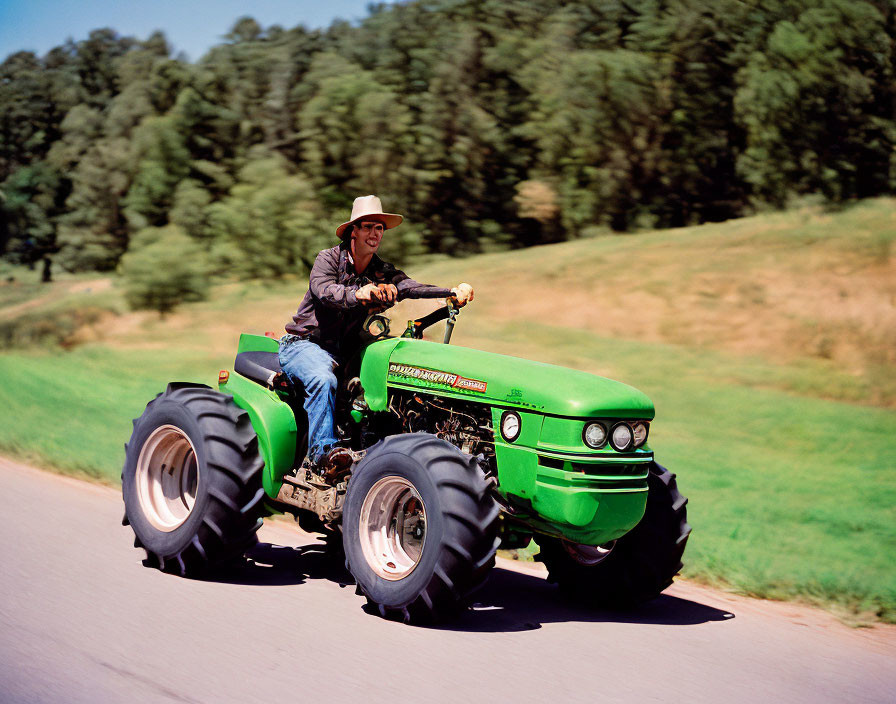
[467,426]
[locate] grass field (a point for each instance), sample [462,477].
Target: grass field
[784,443]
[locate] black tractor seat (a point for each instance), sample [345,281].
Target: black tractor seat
[263,368]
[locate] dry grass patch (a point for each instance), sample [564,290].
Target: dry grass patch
[789,287]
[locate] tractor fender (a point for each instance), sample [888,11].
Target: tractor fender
[274,423]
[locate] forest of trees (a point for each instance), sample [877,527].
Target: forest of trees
[488,123]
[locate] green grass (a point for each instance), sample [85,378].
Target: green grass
[73,410]
[780,423]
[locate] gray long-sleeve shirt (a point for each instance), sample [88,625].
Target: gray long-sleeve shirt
[330,314]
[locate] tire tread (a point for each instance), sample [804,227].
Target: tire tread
[468,547]
[233,472]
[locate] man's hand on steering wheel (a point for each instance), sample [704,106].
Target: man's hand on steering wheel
[388,293]
[461,295]
[377,297]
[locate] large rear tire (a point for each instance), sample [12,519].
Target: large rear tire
[192,480]
[633,569]
[419,527]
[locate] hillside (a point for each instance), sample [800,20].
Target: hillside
[808,291]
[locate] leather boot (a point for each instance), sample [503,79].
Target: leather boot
[335,464]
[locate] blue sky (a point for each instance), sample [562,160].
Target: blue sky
[191,26]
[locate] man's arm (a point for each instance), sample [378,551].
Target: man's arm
[328,291]
[414,289]
[324,285]
[408,288]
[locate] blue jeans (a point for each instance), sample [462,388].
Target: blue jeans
[306,362]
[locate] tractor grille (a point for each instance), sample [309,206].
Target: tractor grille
[605,470]
[615,470]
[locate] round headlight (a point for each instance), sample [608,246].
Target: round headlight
[595,435]
[510,426]
[639,431]
[621,437]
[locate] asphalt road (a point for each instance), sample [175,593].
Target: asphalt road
[81,620]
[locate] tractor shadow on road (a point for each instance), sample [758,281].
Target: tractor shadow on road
[509,601]
[266,564]
[513,601]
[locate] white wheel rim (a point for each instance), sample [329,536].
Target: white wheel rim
[167,478]
[588,555]
[392,528]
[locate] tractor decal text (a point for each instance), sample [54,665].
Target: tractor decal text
[434,376]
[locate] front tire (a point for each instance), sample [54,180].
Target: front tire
[635,568]
[419,527]
[192,480]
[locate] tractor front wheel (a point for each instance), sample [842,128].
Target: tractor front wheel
[634,568]
[419,527]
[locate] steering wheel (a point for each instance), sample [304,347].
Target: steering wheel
[376,325]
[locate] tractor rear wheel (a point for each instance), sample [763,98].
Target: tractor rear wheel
[192,480]
[634,568]
[419,527]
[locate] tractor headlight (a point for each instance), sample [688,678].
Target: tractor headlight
[639,430]
[621,437]
[595,435]
[510,426]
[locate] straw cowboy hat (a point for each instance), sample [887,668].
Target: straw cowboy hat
[370,207]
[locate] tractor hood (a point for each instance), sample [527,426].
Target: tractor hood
[495,379]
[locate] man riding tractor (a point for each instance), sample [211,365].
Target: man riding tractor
[348,282]
[452,451]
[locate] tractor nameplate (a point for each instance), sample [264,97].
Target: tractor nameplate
[439,378]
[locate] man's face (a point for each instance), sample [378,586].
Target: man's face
[367,235]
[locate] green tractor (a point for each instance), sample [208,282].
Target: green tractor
[458,452]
